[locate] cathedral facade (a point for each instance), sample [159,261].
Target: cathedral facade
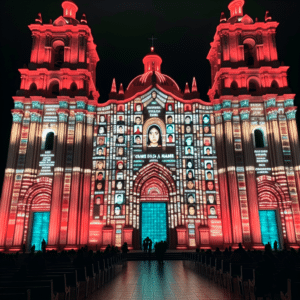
[152,160]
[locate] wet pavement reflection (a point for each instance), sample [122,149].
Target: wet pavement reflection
[149,280]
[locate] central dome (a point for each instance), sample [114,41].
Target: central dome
[152,76]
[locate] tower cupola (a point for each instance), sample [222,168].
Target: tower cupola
[69,9]
[236,8]
[152,62]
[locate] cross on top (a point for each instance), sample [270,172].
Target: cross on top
[153,38]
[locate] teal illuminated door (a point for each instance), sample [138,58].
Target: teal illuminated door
[154,222]
[40,228]
[269,228]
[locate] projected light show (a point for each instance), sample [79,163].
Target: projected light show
[152,161]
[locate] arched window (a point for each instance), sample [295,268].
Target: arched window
[234,88]
[259,138]
[33,87]
[49,141]
[249,51]
[73,87]
[274,84]
[253,86]
[54,88]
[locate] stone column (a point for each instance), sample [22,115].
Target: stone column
[223,183]
[10,172]
[232,179]
[58,180]
[76,174]
[251,186]
[88,166]
[30,169]
[278,168]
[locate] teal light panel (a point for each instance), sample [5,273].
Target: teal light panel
[40,229]
[269,228]
[154,222]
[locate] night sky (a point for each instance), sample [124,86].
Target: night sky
[184,30]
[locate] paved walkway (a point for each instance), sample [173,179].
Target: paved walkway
[149,280]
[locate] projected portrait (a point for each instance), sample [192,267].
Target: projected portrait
[169,107]
[101,130]
[120,139]
[137,129]
[188,120]
[188,140]
[190,174]
[119,198]
[190,185]
[138,107]
[99,185]
[170,128]
[207,151]
[102,119]
[99,200]
[154,136]
[209,175]
[206,119]
[120,151]
[100,165]
[190,198]
[212,211]
[120,120]
[170,138]
[101,151]
[210,199]
[138,120]
[117,210]
[138,140]
[120,129]
[210,185]
[207,141]
[206,129]
[120,176]
[119,185]
[192,210]
[169,119]
[208,164]
[190,164]
[100,176]
[100,140]
[189,150]
[188,129]
[120,165]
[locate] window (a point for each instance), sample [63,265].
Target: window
[59,56]
[33,87]
[73,87]
[234,88]
[253,86]
[54,89]
[274,84]
[259,138]
[49,141]
[249,59]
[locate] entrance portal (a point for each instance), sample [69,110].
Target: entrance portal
[269,228]
[154,222]
[40,228]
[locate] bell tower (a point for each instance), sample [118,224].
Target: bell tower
[253,106]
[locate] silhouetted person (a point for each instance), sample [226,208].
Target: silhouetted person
[23,248]
[144,245]
[150,246]
[275,245]
[32,249]
[44,246]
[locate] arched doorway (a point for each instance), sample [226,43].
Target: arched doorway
[155,196]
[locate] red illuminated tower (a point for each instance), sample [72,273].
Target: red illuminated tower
[252,101]
[52,119]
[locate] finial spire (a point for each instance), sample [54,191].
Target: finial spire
[113,86]
[223,17]
[187,89]
[194,85]
[39,19]
[152,39]
[121,90]
[268,16]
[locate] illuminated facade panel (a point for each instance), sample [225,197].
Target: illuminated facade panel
[212,166]
[40,227]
